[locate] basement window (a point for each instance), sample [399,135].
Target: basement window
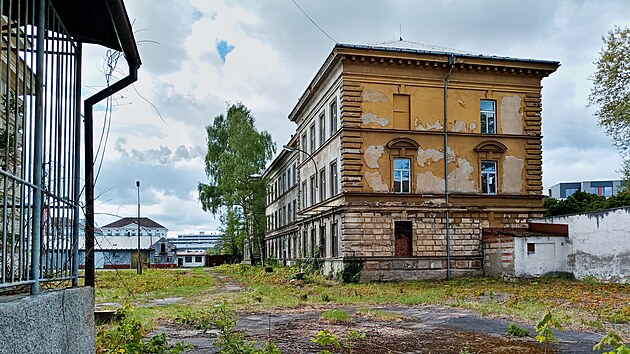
[531,248]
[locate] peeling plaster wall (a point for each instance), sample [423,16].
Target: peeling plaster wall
[429,154]
[428,183]
[369,118]
[374,96]
[428,125]
[461,179]
[511,115]
[374,180]
[512,175]
[372,154]
[599,244]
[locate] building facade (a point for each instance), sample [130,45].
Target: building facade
[129,227]
[605,188]
[403,156]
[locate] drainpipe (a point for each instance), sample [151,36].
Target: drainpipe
[451,64]
[125,36]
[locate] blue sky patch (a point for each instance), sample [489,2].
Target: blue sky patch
[223,48]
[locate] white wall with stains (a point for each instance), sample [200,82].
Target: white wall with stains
[599,243]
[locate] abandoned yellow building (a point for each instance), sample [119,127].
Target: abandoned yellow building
[402,156]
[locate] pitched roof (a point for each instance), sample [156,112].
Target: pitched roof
[144,222]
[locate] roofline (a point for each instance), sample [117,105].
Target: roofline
[446,53]
[334,56]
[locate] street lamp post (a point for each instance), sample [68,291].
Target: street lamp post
[139,261]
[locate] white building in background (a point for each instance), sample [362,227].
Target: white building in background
[606,188]
[192,249]
[129,227]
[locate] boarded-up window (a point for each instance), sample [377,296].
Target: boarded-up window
[402,114]
[403,234]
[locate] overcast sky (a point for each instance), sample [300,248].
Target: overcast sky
[199,54]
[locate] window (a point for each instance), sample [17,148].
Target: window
[115,254]
[402,114]
[322,129]
[294,209]
[156,259]
[322,184]
[303,194]
[284,215]
[333,116]
[334,184]
[312,132]
[488,117]
[289,213]
[304,243]
[294,173]
[322,240]
[303,146]
[402,176]
[169,259]
[312,191]
[312,242]
[334,240]
[283,184]
[163,247]
[531,248]
[488,177]
[198,259]
[188,259]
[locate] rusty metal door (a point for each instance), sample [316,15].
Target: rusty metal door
[403,235]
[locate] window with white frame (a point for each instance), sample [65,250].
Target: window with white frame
[303,194]
[488,177]
[304,146]
[322,128]
[312,133]
[312,191]
[402,175]
[334,183]
[322,184]
[333,116]
[488,116]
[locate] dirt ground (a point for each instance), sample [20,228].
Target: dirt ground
[425,329]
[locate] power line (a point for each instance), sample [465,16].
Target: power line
[316,25]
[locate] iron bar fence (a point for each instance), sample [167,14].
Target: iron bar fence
[39,147]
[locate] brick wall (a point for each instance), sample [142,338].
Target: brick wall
[498,250]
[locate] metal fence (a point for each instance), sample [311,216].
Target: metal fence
[39,147]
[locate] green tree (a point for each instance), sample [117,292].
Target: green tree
[237,155]
[611,91]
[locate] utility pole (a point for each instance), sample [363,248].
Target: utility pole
[139,261]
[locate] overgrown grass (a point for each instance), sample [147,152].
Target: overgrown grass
[335,316]
[125,285]
[583,304]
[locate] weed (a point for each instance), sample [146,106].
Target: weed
[613,340]
[464,350]
[335,316]
[326,338]
[126,337]
[517,331]
[381,315]
[545,327]
[325,297]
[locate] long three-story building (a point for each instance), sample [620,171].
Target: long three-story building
[402,156]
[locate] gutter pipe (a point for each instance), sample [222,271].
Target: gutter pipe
[125,36]
[451,64]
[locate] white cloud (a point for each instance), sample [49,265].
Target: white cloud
[277,51]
